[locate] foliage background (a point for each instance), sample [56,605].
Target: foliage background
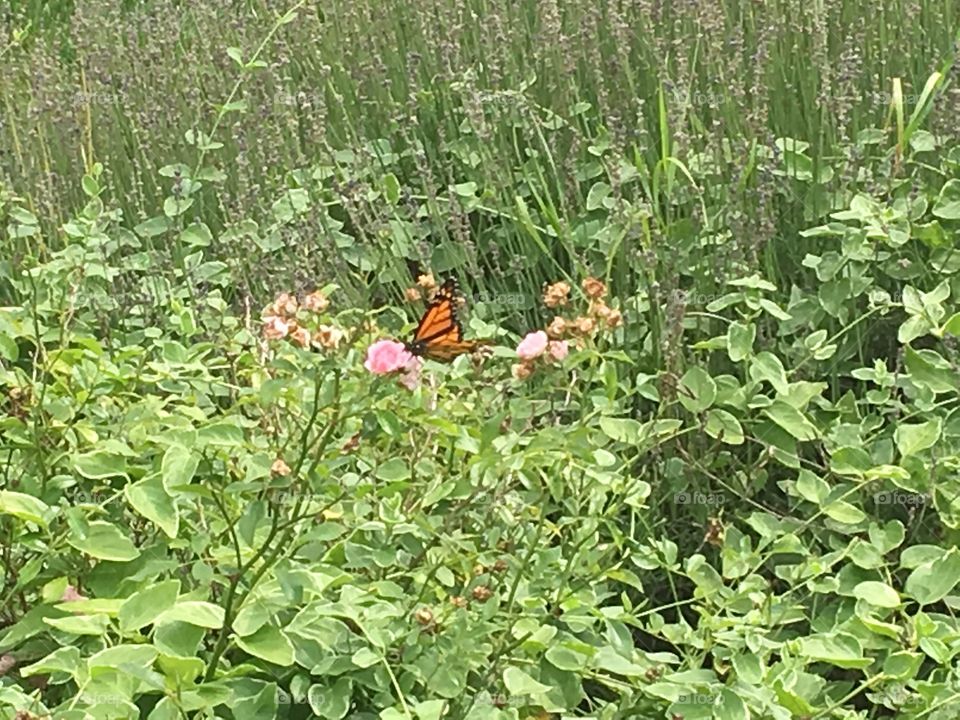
[742,502]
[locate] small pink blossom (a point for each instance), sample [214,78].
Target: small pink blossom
[71,593]
[411,377]
[558,349]
[316,301]
[301,336]
[387,356]
[275,328]
[532,346]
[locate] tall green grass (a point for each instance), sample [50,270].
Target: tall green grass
[539,100]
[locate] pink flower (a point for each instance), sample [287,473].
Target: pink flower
[411,378]
[301,336]
[388,356]
[71,593]
[532,346]
[558,349]
[275,328]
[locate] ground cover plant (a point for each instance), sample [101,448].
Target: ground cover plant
[708,465]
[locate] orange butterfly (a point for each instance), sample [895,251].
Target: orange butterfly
[439,336]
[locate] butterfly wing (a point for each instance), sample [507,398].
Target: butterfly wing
[440,317]
[439,335]
[447,348]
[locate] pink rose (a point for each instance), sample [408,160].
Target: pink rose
[387,356]
[275,328]
[558,349]
[532,346]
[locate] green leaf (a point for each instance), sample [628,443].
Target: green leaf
[269,644]
[748,667]
[518,683]
[626,430]
[178,467]
[740,339]
[791,420]
[393,469]
[811,487]
[149,498]
[565,658]
[62,660]
[430,709]
[194,612]
[90,186]
[100,464]
[196,235]
[930,582]
[952,326]
[331,703]
[145,606]
[220,434]
[730,706]
[724,427]
[912,438]
[8,347]
[947,206]
[902,665]
[877,593]
[174,206]
[391,188]
[467,189]
[364,658]
[119,655]
[23,506]
[81,624]
[104,541]
[767,367]
[754,282]
[838,649]
[844,512]
[698,391]
[154,226]
[610,660]
[598,193]
[928,368]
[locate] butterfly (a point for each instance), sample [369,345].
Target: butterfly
[439,335]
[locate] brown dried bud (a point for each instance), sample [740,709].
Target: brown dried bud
[482,593]
[593,288]
[556,295]
[424,616]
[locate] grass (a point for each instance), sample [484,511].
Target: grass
[471,93]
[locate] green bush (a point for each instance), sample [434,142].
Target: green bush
[737,496]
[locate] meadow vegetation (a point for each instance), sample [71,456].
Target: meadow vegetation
[734,494]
